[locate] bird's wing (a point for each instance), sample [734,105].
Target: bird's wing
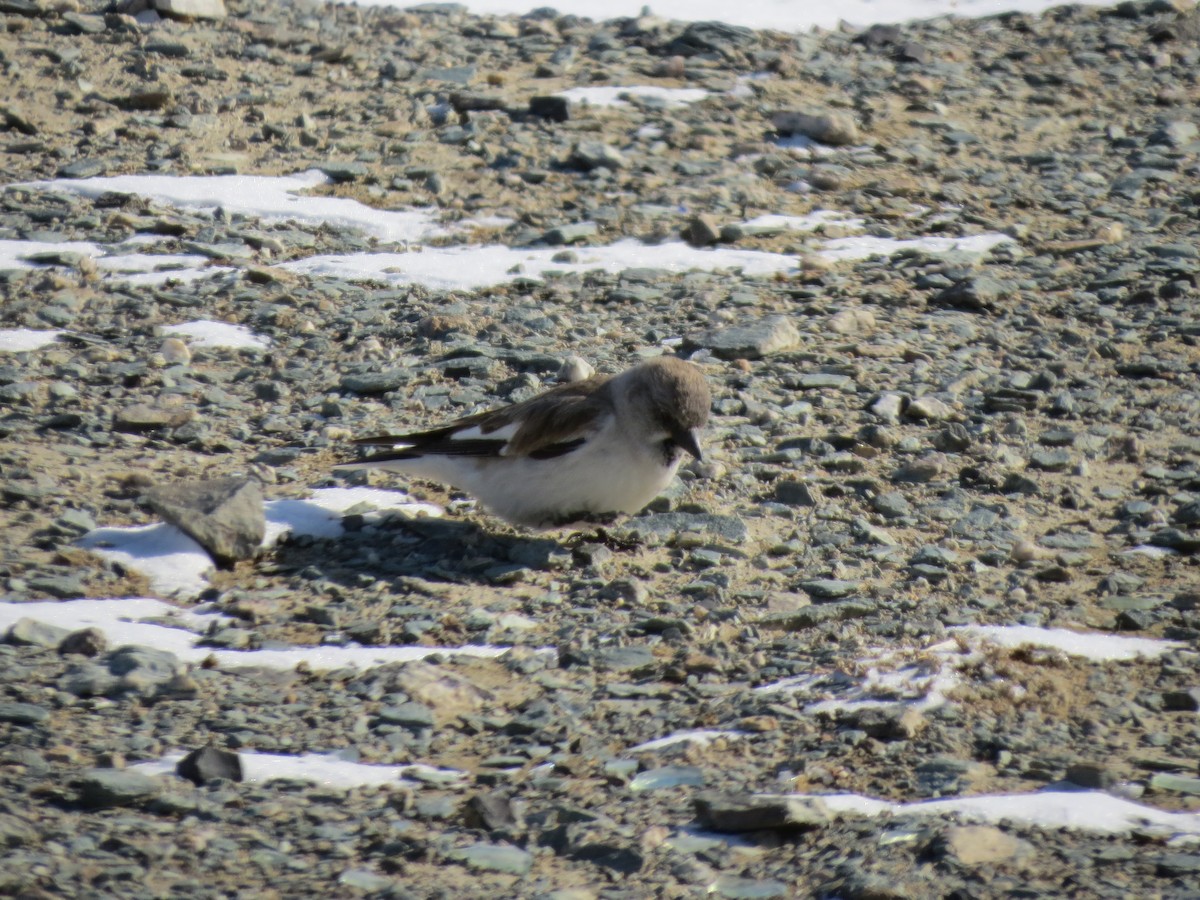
[543,427]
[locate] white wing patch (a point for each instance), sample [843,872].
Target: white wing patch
[474,433]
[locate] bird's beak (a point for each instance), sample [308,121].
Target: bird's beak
[688,441]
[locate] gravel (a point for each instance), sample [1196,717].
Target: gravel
[901,444]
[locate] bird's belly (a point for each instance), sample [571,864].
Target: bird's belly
[539,492]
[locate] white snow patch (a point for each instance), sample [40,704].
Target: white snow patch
[123,622]
[702,737]
[779,15]
[15,254]
[320,515]
[865,246]
[170,276]
[261,196]
[892,679]
[326,770]
[24,340]
[818,218]
[1150,550]
[616,96]
[1085,810]
[1096,647]
[175,564]
[206,333]
[472,267]
[466,268]
[150,262]
[119,620]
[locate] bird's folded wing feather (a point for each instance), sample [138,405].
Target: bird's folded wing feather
[543,427]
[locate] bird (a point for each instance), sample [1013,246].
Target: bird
[585,451]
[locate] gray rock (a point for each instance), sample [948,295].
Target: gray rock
[667,777]
[223,515]
[23,713]
[634,658]
[1173,865]
[150,417]
[493,858]
[143,669]
[833,128]
[365,880]
[410,714]
[702,230]
[979,293]
[738,813]
[735,887]
[343,172]
[665,525]
[973,845]
[830,588]
[794,493]
[106,788]
[571,234]
[203,765]
[763,338]
[375,382]
[35,633]
[588,155]
[84,642]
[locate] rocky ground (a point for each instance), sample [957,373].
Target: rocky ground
[900,446]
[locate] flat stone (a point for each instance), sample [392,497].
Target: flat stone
[588,155]
[1178,784]
[493,858]
[34,633]
[830,588]
[667,777]
[735,887]
[143,668]
[571,234]
[665,525]
[410,714]
[342,172]
[23,713]
[150,417]
[738,813]
[833,128]
[104,788]
[973,845]
[976,294]
[450,695]
[223,515]
[1179,701]
[376,382]
[367,881]
[191,9]
[775,334]
[1172,865]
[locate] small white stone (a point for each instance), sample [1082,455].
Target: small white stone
[191,9]
[853,321]
[175,352]
[1025,551]
[575,368]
